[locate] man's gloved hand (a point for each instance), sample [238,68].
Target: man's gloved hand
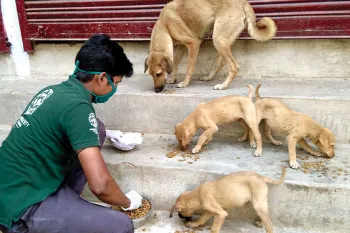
[135,200]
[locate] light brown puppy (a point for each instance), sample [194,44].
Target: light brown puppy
[209,116]
[296,126]
[187,23]
[230,191]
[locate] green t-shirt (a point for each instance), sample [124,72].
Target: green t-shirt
[35,157]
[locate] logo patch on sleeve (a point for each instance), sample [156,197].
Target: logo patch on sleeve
[93,122]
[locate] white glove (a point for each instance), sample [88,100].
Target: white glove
[135,200]
[124,141]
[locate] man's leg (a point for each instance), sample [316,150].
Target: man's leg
[65,212]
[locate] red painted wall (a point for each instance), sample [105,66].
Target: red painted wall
[134,19]
[3,46]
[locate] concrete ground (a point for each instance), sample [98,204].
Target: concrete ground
[225,156]
[325,100]
[314,196]
[160,222]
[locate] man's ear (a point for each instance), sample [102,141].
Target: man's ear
[146,65]
[167,64]
[102,78]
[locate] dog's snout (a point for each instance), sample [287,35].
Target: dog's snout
[183,217]
[158,89]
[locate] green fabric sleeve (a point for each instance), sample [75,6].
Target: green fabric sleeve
[79,124]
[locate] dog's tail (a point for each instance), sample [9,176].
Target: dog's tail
[257,95]
[270,181]
[250,92]
[262,30]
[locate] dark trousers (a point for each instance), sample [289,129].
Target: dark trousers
[65,212]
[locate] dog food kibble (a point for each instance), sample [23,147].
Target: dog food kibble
[185,231]
[173,153]
[138,213]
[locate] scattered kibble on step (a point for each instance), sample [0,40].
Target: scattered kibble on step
[138,213]
[173,153]
[185,231]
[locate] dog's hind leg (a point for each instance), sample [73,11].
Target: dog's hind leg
[245,131]
[180,51]
[206,137]
[306,147]
[262,209]
[268,134]
[254,130]
[201,221]
[218,64]
[226,31]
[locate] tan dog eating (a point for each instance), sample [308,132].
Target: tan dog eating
[297,126]
[209,116]
[186,23]
[234,190]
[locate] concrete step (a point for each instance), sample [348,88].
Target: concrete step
[162,223]
[301,58]
[310,198]
[137,108]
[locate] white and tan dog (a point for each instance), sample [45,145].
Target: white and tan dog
[234,190]
[220,111]
[186,23]
[296,126]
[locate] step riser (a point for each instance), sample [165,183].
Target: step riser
[291,205]
[326,58]
[144,113]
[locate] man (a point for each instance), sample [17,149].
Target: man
[54,149]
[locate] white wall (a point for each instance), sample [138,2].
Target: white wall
[18,62]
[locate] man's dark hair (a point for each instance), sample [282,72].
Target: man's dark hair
[99,53]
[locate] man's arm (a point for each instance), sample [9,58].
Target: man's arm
[100,181]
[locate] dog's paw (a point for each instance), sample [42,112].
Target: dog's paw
[171,81]
[252,144]
[192,225]
[219,87]
[205,78]
[257,153]
[182,84]
[242,139]
[195,150]
[277,143]
[294,164]
[258,224]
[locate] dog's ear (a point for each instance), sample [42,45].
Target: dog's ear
[172,211]
[186,137]
[324,140]
[176,126]
[167,64]
[146,65]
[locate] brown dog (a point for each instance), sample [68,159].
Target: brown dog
[297,126]
[230,191]
[187,23]
[217,112]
